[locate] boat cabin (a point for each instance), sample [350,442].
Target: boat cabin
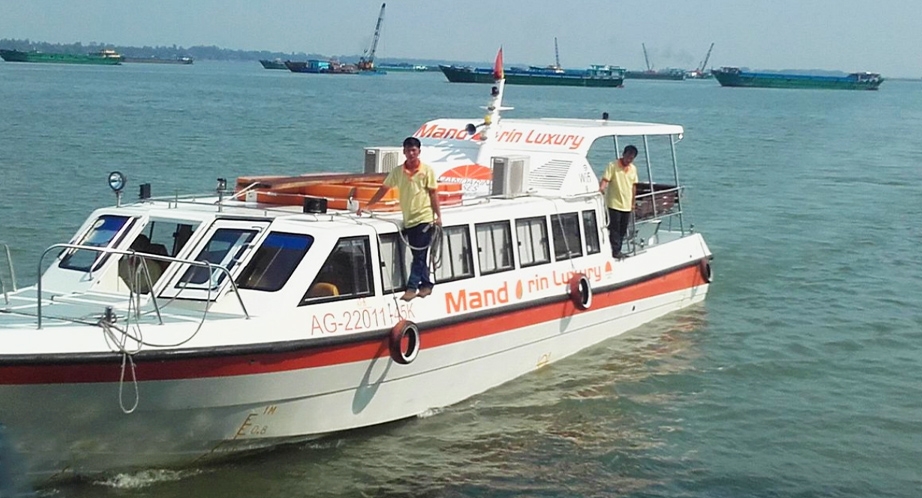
[522,210]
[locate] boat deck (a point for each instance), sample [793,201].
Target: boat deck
[21,310]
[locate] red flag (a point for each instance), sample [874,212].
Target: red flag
[498,65]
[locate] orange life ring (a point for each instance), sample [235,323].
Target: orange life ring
[404,332]
[580,291]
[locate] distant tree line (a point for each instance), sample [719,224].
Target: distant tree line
[164,52]
[197,52]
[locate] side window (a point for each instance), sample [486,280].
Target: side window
[346,273]
[224,249]
[393,266]
[167,238]
[456,254]
[591,229]
[494,246]
[274,261]
[101,234]
[567,242]
[532,240]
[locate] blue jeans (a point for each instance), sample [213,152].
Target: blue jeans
[419,236]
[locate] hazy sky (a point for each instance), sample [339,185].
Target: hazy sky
[883,36]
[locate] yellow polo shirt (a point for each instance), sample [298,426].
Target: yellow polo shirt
[620,195]
[413,192]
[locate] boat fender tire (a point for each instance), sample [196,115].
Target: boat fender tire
[405,330]
[705,266]
[580,291]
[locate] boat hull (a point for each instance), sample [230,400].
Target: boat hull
[272,64]
[780,80]
[655,75]
[319,67]
[467,75]
[41,57]
[206,405]
[157,60]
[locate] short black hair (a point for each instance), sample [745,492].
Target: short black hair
[630,149]
[412,142]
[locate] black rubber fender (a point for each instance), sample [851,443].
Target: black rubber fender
[404,330]
[580,291]
[706,273]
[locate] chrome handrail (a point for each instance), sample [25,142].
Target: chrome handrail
[106,250]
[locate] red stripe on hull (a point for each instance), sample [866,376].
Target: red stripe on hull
[311,357]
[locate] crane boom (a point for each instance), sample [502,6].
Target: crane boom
[706,57]
[367,62]
[645,58]
[556,55]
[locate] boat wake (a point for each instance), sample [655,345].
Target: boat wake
[146,478]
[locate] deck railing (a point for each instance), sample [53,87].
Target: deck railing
[107,250]
[12,273]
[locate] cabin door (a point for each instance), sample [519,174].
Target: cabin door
[228,244]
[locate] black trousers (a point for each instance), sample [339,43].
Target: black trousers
[617,228]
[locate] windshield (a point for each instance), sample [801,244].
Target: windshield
[225,248]
[100,234]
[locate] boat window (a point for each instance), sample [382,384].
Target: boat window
[532,240]
[274,261]
[565,229]
[346,273]
[591,229]
[101,234]
[167,238]
[393,265]
[456,254]
[225,248]
[494,246]
[131,269]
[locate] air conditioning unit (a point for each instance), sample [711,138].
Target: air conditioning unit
[510,176]
[383,159]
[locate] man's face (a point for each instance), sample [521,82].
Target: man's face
[411,153]
[628,158]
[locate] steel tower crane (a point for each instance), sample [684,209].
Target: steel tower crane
[706,57]
[700,72]
[367,62]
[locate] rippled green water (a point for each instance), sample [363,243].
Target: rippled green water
[800,375]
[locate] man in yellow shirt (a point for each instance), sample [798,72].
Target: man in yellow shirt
[419,202]
[620,179]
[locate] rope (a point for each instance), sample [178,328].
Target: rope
[435,244]
[113,339]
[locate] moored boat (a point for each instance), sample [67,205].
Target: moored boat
[672,74]
[319,66]
[735,77]
[179,329]
[273,64]
[105,57]
[184,60]
[404,67]
[661,74]
[595,76]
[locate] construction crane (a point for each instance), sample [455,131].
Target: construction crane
[556,55]
[645,58]
[706,57]
[700,73]
[367,61]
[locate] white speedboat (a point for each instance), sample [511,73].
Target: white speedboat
[171,331]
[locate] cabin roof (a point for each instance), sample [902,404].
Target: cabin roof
[600,127]
[546,135]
